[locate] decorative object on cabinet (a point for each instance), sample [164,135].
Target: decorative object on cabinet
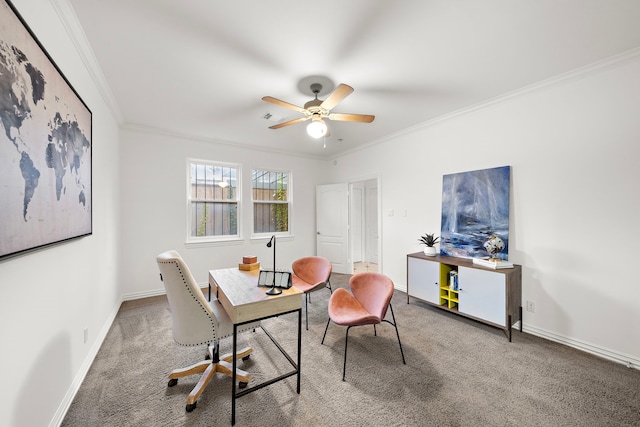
[494,245]
[45,145]
[492,263]
[489,296]
[475,206]
[428,240]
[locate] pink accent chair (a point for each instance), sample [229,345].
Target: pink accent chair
[366,305]
[311,274]
[196,321]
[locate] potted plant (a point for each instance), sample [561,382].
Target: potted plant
[428,240]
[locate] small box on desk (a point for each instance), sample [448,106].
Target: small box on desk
[249,266]
[249,259]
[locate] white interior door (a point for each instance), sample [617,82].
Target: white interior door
[332,219]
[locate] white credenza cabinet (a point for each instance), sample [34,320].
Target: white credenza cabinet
[483,294]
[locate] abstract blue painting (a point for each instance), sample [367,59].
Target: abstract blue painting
[475,206]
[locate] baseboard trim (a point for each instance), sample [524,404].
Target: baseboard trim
[624,359]
[145,294]
[57,419]
[156,292]
[61,412]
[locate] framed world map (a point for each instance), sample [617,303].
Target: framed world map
[45,145]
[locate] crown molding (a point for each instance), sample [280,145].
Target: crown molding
[136,127]
[79,39]
[578,73]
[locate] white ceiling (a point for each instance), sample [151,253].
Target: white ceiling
[199,68]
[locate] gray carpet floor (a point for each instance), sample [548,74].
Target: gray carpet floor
[458,373]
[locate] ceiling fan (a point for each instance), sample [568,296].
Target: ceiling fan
[317,110]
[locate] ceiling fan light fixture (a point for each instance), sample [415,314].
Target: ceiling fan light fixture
[317,128]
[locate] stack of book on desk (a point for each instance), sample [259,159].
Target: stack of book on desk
[249,263]
[492,263]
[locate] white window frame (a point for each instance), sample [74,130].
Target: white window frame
[289,232]
[208,240]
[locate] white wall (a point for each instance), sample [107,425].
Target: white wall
[573,148]
[49,297]
[153,170]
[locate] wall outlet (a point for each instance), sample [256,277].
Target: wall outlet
[86,335]
[531,306]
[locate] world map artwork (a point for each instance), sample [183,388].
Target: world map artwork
[45,146]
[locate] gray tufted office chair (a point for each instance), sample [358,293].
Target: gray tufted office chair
[196,321]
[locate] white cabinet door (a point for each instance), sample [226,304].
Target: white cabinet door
[482,294]
[423,278]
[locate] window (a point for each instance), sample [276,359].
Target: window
[271,201]
[213,197]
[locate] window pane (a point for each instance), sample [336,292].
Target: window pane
[214,200]
[270,193]
[270,217]
[214,219]
[269,185]
[211,182]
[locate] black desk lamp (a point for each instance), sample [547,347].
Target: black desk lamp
[273,290]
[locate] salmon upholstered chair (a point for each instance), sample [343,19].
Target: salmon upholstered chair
[196,321]
[366,305]
[311,274]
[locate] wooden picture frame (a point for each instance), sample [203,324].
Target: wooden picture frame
[45,145]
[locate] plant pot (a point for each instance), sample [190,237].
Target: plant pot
[430,251]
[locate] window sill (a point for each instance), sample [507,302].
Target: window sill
[209,243]
[280,237]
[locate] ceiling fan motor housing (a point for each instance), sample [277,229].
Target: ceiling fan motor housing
[314,105]
[317,109]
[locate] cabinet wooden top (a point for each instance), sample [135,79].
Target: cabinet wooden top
[461,262]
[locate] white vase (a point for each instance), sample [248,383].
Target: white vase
[430,250]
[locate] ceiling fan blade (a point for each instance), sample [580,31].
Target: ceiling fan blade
[364,118]
[340,93]
[282,103]
[290,122]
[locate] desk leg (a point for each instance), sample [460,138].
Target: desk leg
[233,375]
[299,345]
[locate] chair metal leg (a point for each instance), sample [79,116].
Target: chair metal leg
[325,331]
[306,309]
[346,341]
[395,325]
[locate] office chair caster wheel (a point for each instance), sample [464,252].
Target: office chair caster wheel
[246,357]
[242,384]
[191,407]
[172,382]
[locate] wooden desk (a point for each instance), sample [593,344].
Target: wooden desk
[245,302]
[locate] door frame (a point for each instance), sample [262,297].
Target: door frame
[350,183]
